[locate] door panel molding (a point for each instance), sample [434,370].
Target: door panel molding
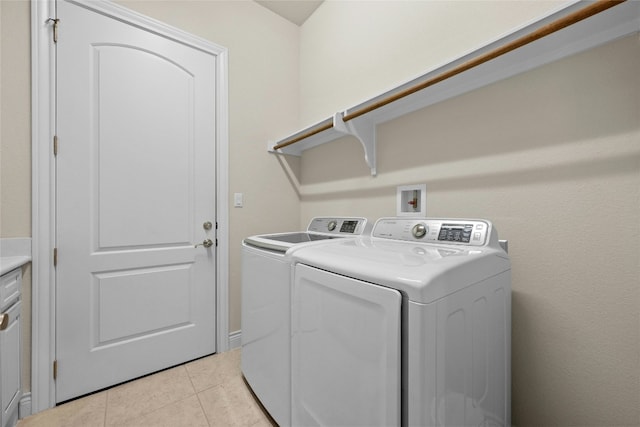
[43,182]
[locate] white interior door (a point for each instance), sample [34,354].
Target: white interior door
[135,184]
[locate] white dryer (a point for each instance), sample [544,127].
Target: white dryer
[411,326]
[266,307]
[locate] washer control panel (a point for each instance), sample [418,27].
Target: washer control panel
[337,225]
[470,232]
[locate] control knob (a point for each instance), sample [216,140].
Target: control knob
[332,225]
[419,230]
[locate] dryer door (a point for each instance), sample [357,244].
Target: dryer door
[345,351]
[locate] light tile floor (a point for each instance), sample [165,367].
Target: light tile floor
[206,392]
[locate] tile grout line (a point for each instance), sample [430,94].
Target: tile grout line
[197,396]
[206,417]
[222,394]
[173,402]
[106,408]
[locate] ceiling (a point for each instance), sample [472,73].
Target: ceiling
[296,11]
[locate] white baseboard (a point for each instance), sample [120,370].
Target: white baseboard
[235,340]
[24,407]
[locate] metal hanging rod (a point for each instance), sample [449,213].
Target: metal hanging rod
[573,18]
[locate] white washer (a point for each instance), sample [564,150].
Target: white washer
[266,307]
[411,326]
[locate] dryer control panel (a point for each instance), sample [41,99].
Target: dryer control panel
[469,232]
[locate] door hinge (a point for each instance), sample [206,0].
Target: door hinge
[55,28]
[55,369]
[55,257]
[55,145]
[216,243]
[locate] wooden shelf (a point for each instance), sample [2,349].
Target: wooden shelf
[564,33]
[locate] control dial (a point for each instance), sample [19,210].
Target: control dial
[332,225]
[419,230]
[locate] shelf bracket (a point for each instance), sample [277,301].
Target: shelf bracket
[365,131]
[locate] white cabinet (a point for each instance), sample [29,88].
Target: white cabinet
[10,304]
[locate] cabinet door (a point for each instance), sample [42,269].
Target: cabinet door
[10,284]
[345,351]
[10,363]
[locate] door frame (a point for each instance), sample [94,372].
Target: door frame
[43,221]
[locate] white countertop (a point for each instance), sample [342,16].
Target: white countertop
[9,263]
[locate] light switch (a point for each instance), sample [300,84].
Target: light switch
[238,201]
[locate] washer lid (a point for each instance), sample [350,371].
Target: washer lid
[320,228]
[424,272]
[284,241]
[298,237]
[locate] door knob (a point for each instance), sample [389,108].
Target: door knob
[207,243]
[4,321]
